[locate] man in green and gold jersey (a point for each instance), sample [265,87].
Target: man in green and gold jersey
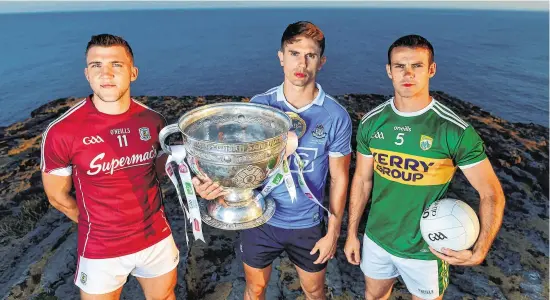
[408,150]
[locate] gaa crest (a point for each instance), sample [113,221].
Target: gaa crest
[425,142]
[83,277]
[144,134]
[298,124]
[319,131]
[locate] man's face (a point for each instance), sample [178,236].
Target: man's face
[301,61]
[109,70]
[410,70]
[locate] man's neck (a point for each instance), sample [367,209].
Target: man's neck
[300,96]
[112,108]
[412,104]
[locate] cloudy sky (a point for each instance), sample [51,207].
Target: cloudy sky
[75,5]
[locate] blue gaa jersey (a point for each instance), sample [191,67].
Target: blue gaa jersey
[323,129]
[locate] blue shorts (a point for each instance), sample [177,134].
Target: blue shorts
[260,246]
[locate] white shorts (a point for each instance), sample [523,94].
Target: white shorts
[426,279]
[102,276]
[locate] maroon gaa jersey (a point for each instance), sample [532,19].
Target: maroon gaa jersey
[111,160]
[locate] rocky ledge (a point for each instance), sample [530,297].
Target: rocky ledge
[38,244]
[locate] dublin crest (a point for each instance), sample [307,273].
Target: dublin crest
[319,131]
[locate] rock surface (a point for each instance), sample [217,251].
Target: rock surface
[38,244]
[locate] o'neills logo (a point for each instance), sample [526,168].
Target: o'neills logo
[97,165]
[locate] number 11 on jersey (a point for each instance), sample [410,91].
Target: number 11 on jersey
[122,141]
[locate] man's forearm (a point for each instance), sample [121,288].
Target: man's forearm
[491,209]
[337,196]
[67,205]
[359,197]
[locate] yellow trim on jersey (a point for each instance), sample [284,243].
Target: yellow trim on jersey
[411,169]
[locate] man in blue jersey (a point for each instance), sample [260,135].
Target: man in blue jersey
[324,131]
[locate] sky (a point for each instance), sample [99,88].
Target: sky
[18,6]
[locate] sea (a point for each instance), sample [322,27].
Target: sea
[498,60]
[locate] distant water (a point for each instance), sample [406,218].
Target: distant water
[497,60]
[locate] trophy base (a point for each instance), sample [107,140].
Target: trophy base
[209,220]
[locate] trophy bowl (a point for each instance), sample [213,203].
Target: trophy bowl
[238,145]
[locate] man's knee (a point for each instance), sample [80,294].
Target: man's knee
[256,289]
[379,294]
[314,291]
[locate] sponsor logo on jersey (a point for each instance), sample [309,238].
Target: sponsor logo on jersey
[378,135]
[412,169]
[298,124]
[307,159]
[426,142]
[319,132]
[96,165]
[402,128]
[89,140]
[120,131]
[438,236]
[144,134]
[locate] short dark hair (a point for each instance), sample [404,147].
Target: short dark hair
[303,28]
[108,40]
[412,41]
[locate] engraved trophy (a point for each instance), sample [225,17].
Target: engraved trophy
[239,145]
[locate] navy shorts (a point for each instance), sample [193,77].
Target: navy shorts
[260,246]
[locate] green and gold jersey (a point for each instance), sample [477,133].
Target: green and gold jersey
[415,157]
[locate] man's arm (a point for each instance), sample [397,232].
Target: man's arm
[339,178]
[491,209]
[57,190]
[361,188]
[160,163]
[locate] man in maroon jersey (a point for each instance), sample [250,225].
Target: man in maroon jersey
[106,145]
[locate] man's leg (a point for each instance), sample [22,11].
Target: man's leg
[298,247]
[256,282]
[379,270]
[115,295]
[313,283]
[259,246]
[425,279]
[156,270]
[161,287]
[102,279]
[376,289]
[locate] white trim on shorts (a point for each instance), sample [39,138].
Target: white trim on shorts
[420,276]
[102,276]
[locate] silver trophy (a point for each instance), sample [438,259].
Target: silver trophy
[237,145]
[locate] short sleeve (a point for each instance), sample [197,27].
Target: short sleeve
[363,138]
[470,149]
[55,153]
[341,143]
[259,99]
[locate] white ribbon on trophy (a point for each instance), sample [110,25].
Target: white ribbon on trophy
[193,214]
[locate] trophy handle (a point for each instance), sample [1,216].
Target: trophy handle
[164,133]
